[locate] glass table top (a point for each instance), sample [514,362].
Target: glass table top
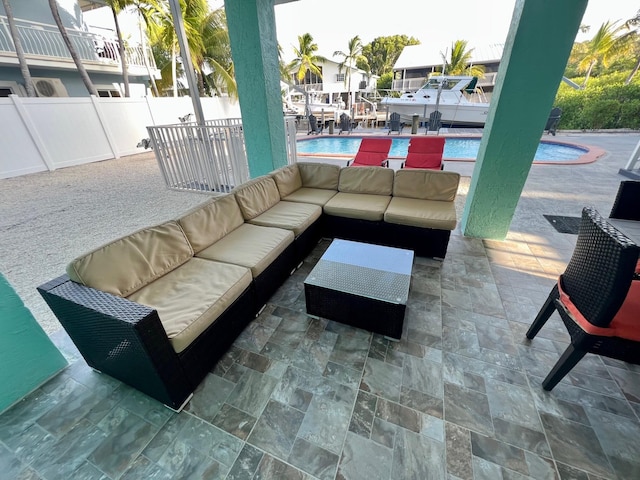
[371,271]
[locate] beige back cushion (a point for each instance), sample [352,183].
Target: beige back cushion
[208,223]
[369,180]
[426,184]
[257,196]
[319,175]
[287,179]
[129,263]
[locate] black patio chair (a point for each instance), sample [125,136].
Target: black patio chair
[627,203]
[395,125]
[596,297]
[345,123]
[314,129]
[434,124]
[553,120]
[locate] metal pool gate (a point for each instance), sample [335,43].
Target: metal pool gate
[208,158]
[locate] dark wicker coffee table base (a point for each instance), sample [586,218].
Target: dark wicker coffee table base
[373,315]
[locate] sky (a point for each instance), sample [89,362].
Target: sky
[333,22]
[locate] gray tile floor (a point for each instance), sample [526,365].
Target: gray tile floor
[458,397]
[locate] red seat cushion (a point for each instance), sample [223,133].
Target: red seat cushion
[626,323]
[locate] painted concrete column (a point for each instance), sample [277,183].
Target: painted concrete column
[27,356]
[538,45]
[254,46]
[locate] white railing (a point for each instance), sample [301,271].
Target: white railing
[43,40]
[290,130]
[208,158]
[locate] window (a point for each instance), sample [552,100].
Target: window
[340,77]
[11,88]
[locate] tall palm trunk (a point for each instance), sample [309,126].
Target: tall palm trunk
[17,42]
[143,39]
[72,51]
[173,70]
[633,73]
[123,60]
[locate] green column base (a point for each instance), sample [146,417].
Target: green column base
[27,355]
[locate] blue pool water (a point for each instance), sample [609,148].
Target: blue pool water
[454,148]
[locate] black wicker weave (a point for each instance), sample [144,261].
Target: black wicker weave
[127,341]
[597,280]
[627,203]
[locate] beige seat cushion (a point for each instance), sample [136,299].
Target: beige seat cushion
[208,223]
[319,175]
[293,216]
[250,246]
[426,184]
[356,205]
[287,179]
[370,180]
[256,196]
[316,196]
[129,263]
[421,213]
[191,297]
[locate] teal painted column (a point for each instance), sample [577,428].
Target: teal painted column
[27,356]
[254,47]
[538,45]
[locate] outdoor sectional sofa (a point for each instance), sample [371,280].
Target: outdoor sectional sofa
[157,308]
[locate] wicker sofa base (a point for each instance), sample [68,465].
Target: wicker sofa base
[425,242]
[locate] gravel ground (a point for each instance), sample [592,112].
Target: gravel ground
[49,218]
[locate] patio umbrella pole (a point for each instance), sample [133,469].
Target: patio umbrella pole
[189,71]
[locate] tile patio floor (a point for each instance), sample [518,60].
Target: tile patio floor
[301,398]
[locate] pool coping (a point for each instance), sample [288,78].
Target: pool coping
[590,155]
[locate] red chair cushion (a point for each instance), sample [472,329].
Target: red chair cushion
[423,160]
[368,159]
[626,323]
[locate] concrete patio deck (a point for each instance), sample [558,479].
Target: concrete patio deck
[300,398]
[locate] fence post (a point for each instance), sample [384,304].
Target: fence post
[107,133]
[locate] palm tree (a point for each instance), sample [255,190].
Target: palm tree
[305,59]
[216,54]
[17,42]
[632,24]
[349,59]
[116,7]
[600,49]
[460,61]
[53,5]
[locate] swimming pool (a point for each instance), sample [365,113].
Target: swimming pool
[455,148]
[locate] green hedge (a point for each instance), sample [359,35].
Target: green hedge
[605,103]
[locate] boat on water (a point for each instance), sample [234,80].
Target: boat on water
[457,98]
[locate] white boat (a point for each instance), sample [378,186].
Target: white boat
[457,98]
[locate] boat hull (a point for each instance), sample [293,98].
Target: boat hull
[458,114]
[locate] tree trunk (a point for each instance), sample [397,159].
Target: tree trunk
[143,40]
[17,42]
[173,71]
[633,72]
[123,60]
[72,51]
[586,77]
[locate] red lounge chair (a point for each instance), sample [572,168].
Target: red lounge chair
[373,152]
[425,152]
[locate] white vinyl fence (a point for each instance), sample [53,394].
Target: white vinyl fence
[39,134]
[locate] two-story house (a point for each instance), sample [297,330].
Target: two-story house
[416,62]
[50,64]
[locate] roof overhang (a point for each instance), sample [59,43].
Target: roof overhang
[86,5]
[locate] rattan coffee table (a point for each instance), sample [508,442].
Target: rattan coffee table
[362,285]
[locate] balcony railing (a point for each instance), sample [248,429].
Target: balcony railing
[44,41]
